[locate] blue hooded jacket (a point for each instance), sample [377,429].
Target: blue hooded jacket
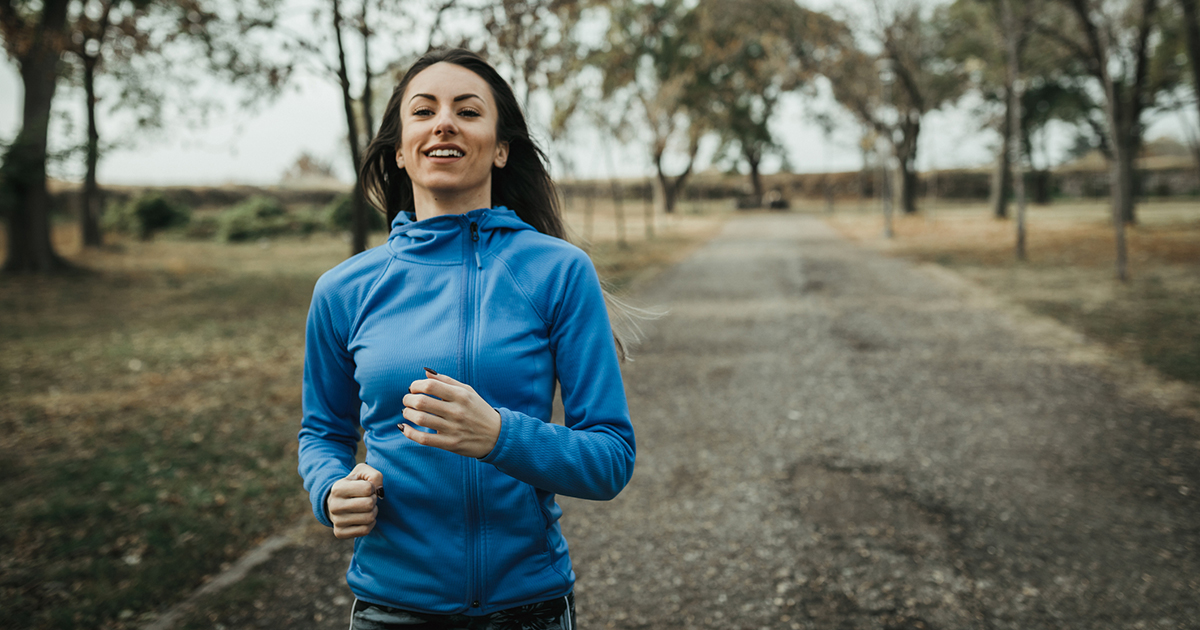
[486,299]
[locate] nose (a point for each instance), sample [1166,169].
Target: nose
[445,125]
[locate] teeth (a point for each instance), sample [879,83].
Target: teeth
[445,153]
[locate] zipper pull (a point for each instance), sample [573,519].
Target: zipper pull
[475,239]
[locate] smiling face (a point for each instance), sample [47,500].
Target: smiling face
[448,141]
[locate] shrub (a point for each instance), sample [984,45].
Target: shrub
[340,218]
[257,217]
[202,227]
[146,214]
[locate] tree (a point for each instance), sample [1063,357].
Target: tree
[753,54]
[532,38]
[146,51]
[1015,29]
[1181,34]
[651,53]
[1115,44]
[917,78]
[35,34]
[316,51]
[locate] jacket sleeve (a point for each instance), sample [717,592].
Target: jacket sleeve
[592,456]
[329,427]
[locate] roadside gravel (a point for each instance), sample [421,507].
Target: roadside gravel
[829,438]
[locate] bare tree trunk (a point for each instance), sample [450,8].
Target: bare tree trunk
[648,209]
[619,212]
[589,214]
[358,242]
[90,203]
[828,190]
[1118,217]
[906,155]
[885,193]
[670,186]
[367,94]
[23,194]
[1002,177]
[1123,120]
[1013,90]
[864,173]
[1121,174]
[755,178]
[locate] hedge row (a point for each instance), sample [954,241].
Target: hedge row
[254,218]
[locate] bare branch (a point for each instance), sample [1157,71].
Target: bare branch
[437,22]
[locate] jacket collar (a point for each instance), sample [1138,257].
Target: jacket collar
[445,239]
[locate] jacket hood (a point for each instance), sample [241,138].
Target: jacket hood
[444,239]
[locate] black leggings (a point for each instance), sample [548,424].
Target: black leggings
[554,614]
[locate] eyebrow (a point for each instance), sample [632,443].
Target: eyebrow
[461,97]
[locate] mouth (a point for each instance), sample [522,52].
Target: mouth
[444,152]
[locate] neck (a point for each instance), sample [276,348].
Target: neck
[430,203]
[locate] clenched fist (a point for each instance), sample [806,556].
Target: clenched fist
[351,502]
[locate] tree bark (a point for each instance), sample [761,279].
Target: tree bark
[1013,93]
[358,241]
[753,158]
[1002,177]
[906,155]
[648,209]
[90,202]
[367,94]
[23,175]
[670,186]
[618,197]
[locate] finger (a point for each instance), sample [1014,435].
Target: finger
[353,532]
[420,437]
[349,520]
[351,488]
[442,378]
[424,420]
[367,473]
[428,404]
[352,506]
[438,389]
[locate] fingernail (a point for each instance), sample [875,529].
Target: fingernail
[401,426]
[431,371]
[380,493]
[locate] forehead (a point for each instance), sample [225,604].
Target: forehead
[446,81]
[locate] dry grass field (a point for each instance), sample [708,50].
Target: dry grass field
[1070,272]
[149,407]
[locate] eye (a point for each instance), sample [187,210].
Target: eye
[469,112]
[422,111]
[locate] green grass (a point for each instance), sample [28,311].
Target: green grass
[1152,318]
[147,435]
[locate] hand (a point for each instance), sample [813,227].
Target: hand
[351,502]
[464,422]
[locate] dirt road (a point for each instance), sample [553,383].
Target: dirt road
[833,439]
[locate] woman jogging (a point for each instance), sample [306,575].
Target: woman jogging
[445,346]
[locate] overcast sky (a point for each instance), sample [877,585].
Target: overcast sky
[256,147]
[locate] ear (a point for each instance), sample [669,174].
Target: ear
[501,155]
[399,159]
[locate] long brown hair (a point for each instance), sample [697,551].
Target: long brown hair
[523,185]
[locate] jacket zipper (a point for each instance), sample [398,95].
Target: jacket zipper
[472,467]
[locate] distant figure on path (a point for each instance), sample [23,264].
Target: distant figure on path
[445,345]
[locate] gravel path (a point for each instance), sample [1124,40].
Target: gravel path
[829,438]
